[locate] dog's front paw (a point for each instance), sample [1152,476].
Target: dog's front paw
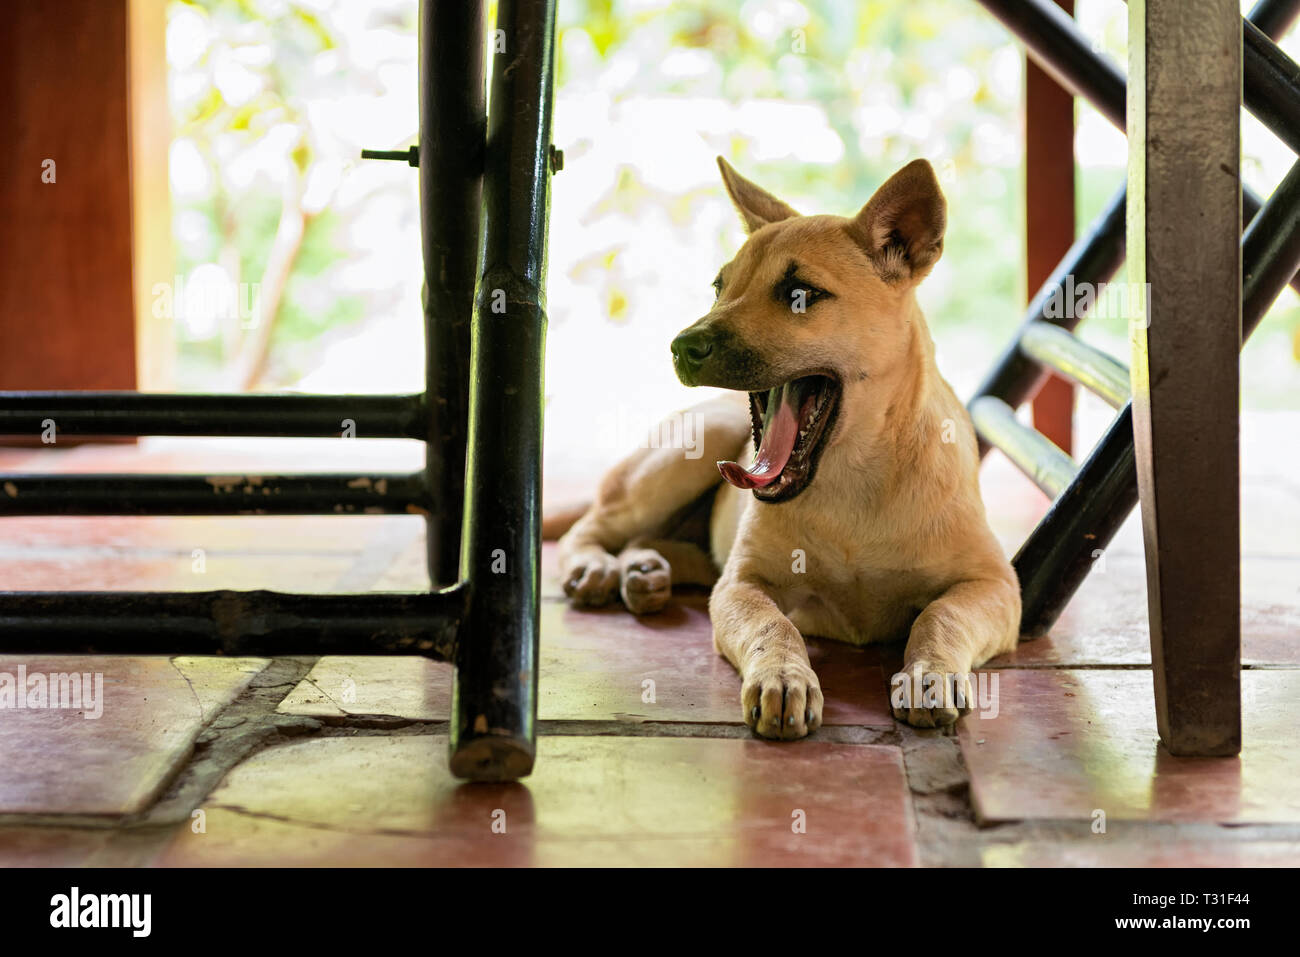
[930,694]
[781,698]
[592,579]
[647,584]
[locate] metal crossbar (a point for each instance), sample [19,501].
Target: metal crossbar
[1033,453]
[1077,361]
[480,418]
[1094,501]
[1060,48]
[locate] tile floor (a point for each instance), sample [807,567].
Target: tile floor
[643,757]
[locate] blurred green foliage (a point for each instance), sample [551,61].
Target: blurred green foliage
[893,80]
[881,82]
[241,73]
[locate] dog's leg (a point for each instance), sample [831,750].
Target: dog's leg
[587,569]
[961,629]
[780,696]
[648,569]
[640,495]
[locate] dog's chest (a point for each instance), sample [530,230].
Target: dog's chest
[855,594]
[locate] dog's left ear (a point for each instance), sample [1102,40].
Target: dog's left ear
[901,227]
[757,207]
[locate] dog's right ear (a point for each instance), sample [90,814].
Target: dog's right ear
[757,207]
[901,227]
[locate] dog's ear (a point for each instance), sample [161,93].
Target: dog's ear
[902,226]
[757,207]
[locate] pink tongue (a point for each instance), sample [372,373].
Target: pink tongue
[778,442]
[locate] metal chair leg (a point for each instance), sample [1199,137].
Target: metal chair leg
[453,124]
[493,733]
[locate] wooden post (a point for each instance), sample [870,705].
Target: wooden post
[1184,216]
[1049,218]
[66,292]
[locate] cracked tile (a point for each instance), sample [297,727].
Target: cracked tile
[390,801]
[1065,744]
[337,686]
[59,761]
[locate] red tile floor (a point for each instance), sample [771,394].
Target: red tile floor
[643,757]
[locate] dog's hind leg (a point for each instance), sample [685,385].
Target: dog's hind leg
[608,551]
[648,569]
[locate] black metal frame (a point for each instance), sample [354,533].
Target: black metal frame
[480,418]
[1088,511]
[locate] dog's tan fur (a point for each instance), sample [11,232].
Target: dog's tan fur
[892,529]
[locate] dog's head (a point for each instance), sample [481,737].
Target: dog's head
[810,307]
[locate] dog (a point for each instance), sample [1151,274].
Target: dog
[860,517]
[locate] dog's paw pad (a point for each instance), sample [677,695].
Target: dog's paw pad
[592,580]
[647,585]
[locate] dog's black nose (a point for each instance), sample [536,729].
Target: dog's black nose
[690,349]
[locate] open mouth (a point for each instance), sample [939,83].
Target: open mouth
[791,425]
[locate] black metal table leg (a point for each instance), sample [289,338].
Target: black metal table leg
[494,707]
[452,125]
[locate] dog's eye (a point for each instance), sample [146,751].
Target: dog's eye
[797,294]
[717,287]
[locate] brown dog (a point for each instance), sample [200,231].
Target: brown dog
[860,518]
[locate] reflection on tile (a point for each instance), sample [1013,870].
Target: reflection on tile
[128,572]
[1066,744]
[175,536]
[266,456]
[663,667]
[288,553]
[1106,622]
[604,665]
[63,762]
[371,801]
